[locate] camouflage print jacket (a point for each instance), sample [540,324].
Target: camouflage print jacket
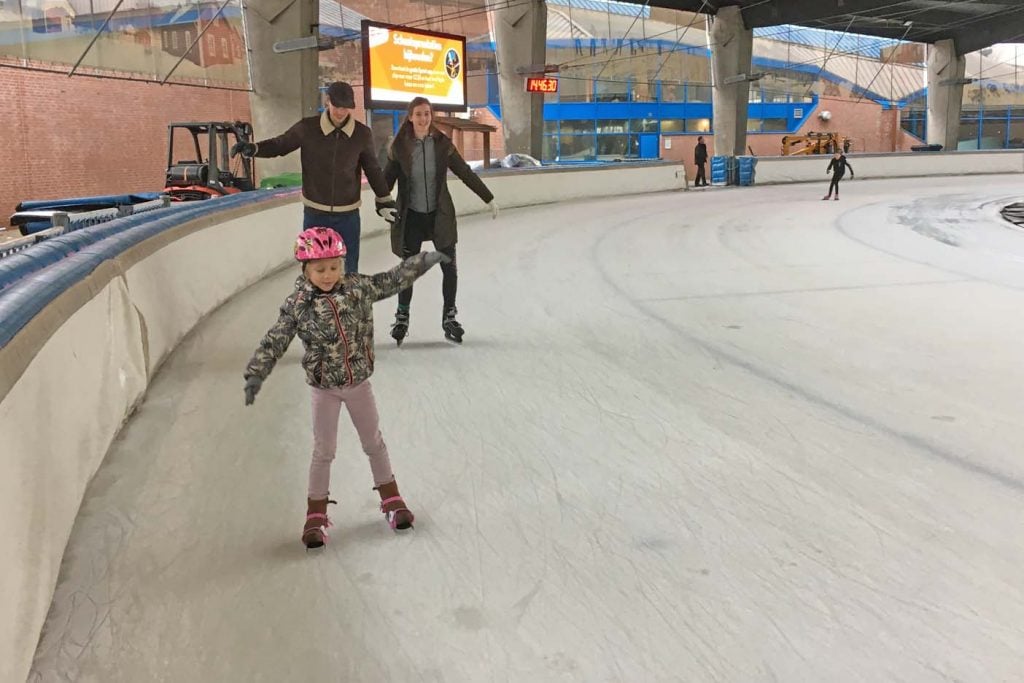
[336,327]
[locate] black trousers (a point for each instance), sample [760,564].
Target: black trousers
[702,179]
[419,228]
[834,185]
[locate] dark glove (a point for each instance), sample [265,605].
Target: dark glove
[252,387]
[246,149]
[387,209]
[435,257]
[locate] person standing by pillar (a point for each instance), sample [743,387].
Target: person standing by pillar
[700,158]
[335,151]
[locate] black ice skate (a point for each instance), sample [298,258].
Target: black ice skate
[452,329]
[400,328]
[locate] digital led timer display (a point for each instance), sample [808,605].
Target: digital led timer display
[541,85]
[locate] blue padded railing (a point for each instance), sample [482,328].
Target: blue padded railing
[30,279]
[64,223]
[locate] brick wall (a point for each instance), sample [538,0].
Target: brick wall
[80,136]
[473,146]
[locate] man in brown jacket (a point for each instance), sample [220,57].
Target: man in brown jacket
[336,150]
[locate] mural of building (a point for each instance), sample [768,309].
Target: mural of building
[221,42]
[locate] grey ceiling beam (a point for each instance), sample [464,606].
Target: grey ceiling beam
[1007,29]
[968,25]
[805,12]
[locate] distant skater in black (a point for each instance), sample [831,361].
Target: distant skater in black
[837,167]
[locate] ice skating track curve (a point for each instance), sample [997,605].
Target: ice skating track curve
[737,435]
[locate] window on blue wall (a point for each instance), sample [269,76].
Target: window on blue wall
[774,125]
[644,125]
[753,125]
[570,127]
[612,126]
[698,125]
[550,150]
[551,126]
[576,147]
[673,126]
[612,145]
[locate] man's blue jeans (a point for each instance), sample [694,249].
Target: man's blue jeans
[345,224]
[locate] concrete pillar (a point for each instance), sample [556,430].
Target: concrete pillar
[285,87]
[520,32]
[731,50]
[945,94]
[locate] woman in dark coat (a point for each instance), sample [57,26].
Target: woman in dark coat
[419,160]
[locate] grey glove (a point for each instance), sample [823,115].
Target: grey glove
[435,257]
[246,149]
[252,387]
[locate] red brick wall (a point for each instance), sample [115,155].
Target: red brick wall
[473,147]
[80,136]
[871,128]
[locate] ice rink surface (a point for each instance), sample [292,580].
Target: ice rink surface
[728,435]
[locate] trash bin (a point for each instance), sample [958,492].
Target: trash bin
[724,170]
[718,170]
[747,166]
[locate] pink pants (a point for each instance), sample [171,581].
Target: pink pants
[362,408]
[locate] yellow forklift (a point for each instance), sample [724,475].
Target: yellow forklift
[814,143]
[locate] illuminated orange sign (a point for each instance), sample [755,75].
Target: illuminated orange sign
[541,85]
[402,63]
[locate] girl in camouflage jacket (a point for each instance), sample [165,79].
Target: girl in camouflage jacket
[332,313]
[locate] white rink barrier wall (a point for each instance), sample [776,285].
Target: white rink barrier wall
[774,170]
[73,373]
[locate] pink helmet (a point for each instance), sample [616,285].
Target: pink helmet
[317,243]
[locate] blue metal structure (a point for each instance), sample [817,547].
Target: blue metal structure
[629,123]
[982,126]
